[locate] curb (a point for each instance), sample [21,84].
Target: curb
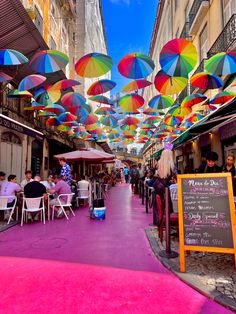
[187,278]
[3,228]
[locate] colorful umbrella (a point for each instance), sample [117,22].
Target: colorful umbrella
[104,111]
[31,81]
[153,112]
[135,85]
[222,63]
[55,108]
[63,128]
[64,84]
[101,87]
[108,121]
[195,117]
[129,127]
[73,99]
[93,65]
[222,98]
[169,85]
[101,99]
[160,102]
[72,124]
[193,99]
[67,117]
[19,94]
[5,77]
[205,80]
[43,114]
[81,112]
[130,121]
[89,119]
[153,119]
[11,57]
[130,103]
[136,65]
[178,57]
[35,106]
[49,97]
[178,111]
[53,121]
[48,61]
[171,120]
[93,126]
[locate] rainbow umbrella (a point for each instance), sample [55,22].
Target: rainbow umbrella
[178,57]
[160,102]
[153,119]
[31,81]
[49,97]
[129,127]
[67,117]
[153,112]
[19,94]
[169,85]
[5,77]
[130,103]
[101,99]
[166,128]
[101,87]
[79,128]
[171,120]
[130,121]
[146,126]
[53,121]
[89,119]
[82,111]
[104,111]
[11,57]
[193,99]
[72,124]
[93,65]
[109,120]
[55,108]
[136,65]
[135,85]
[73,99]
[222,63]
[205,80]
[222,98]
[35,106]
[186,124]
[130,132]
[178,111]
[48,61]
[64,84]
[63,128]
[195,117]
[39,91]
[43,114]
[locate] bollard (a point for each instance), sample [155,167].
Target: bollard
[146,198]
[140,188]
[143,193]
[154,209]
[168,253]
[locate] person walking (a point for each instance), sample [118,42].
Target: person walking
[126,174]
[65,171]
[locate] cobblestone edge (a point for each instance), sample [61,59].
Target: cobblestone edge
[186,278]
[12,224]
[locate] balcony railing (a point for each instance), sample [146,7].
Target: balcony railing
[227,38]
[197,12]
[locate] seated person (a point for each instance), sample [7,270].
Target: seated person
[2,178]
[174,194]
[48,183]
[83,184]
[10,188]
[28,178]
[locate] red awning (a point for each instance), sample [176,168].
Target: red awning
[89,154]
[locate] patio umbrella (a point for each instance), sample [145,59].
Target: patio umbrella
[101,99]
[15,93]
[73,99]
[222,63]
[135,85]
[53,121]
[160,102]
[169,85]
[48,61]
[104,111]
[12,57]
[153,112]
[35,106]
[193,99]
[89,119]
[66,117]
[100,87]
[55,108]
[130,103]
[86,154]
[178,57]
[31,81]
[93,65]
[222,97]
[5,77]
[109,120]
[205,80]
[136,65]
[64,84]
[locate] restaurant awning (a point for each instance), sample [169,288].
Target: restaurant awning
[19,32]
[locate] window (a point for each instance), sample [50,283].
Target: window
[39,21]
[229,9]
[203,43]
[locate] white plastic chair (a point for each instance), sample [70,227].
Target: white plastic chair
[3,206]
[61,204]
[83,194]
[33,205]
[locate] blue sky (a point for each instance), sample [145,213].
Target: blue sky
[128,27]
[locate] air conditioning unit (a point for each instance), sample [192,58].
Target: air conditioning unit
[31,11]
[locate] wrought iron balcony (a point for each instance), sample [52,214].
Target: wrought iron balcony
[196,15]
[226,40]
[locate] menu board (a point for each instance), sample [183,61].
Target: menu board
[206,212]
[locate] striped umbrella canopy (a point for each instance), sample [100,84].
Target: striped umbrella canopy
[72,124]
[130,103]
[179,111]
[19,94]
[67,117]
[89,119]
[101,99]
[166,128]
[63,128]
[128,127]
[31,81]
[55,108]
[43,114]
[130,121]
[48,61]
[53,121]
[104,111]
[186,124]
[205,80]
[5,77]
[35,106]
[101,87]
[172,120]
[178,57]
[64,84]
[136,65]
[153,112]
[195,117]
[109,120]
[49,97]
[222,63]
[160,102]
[73,99]
[93,126]
[153,119]
[135,85]
[93,65]
[12,57]
[169,85]
[222,97]
[193,99]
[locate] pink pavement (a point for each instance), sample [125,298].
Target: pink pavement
[88,266]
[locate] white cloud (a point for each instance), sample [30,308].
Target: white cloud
[127,2]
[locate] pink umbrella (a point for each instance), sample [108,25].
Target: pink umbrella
[86,154]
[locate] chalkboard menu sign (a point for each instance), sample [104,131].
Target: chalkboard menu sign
[206,214]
